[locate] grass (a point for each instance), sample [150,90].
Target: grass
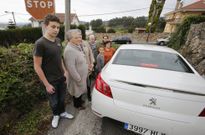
[35,122]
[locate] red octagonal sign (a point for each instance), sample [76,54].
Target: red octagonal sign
[40,8]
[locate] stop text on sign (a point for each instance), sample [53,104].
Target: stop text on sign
[39,4]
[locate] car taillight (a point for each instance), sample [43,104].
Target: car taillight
[102,86]
[202,114]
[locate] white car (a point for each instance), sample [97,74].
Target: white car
[163,41]
[153,90]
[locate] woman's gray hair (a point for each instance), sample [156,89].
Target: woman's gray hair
[69,33]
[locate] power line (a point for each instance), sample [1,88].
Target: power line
[21,13]
[117,12]
[3,15]
[23,19]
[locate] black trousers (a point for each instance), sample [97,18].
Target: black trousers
[77,101]
[57,99]
[89,87]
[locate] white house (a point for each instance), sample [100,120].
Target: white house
[74,20]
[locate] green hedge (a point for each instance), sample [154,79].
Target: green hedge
[29,35]
[179,37]
[16,36]
[20,88]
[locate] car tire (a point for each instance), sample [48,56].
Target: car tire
[161,43]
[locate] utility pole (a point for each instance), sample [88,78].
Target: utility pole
[12,15]
[14,18]
[67,18]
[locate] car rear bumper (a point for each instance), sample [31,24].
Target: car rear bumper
[105,107]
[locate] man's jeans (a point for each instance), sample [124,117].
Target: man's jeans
[56,99]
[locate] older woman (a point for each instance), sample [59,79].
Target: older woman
[75,63]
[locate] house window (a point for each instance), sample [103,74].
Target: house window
[203,13]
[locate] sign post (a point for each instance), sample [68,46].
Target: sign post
[67,17]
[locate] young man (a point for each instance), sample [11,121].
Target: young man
[49,66]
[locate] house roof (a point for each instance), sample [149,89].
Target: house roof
[61,16]
[194,7]
[197,5]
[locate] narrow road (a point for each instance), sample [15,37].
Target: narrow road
[87,123]
[84,122]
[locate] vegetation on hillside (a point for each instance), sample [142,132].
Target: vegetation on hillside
[179,37]
[124,24]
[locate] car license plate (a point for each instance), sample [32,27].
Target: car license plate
[141,130]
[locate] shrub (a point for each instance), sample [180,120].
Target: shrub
[20,88]
[130,30]
[29,35]
[16,36]
[179,37]
[111,30]
[19,85]
[82,28]
[100,29]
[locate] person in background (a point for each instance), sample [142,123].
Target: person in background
[93,46]
[90,62]
[75,63]
[108,51]
[100,59]
[105,39]
[48,65]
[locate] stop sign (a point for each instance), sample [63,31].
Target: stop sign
[40,8]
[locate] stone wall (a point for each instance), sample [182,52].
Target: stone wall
[135,37]
[194,48]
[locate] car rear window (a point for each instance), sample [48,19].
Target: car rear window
[152,59]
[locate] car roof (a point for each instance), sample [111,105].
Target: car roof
[148,47]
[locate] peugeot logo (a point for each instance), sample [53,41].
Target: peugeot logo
[153,101]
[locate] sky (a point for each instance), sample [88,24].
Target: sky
[87,9]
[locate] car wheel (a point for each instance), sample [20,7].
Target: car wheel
[162,43]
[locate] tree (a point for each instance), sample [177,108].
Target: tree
[87,25]
[100,29]
[97,26]
[161,24]
[140,22]
[114,22]
[111,30]
[128,22]
[154,14]
[96,23]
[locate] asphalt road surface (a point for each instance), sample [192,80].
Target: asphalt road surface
[87,123]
